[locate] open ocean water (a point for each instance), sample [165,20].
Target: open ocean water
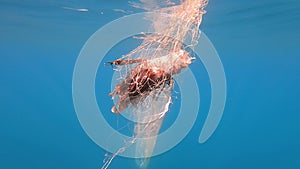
[258,44]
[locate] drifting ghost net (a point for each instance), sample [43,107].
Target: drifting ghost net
[148,70]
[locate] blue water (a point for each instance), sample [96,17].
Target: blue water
[258,43]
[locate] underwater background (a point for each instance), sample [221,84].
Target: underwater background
[258,44]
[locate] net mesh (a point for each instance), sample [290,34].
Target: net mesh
[146,73]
